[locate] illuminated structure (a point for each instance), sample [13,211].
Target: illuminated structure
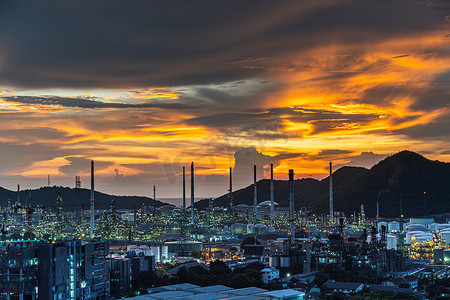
[291,206]
[192,193]
[91,229]
[425,250]
[255,194]
[272,194]
[59,208]
[362,222]
[331,195]
[230,191]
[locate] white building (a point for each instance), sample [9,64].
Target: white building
[268,274]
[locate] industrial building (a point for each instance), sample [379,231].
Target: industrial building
[54,270]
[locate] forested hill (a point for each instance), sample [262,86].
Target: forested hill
[422,184]
[73,198]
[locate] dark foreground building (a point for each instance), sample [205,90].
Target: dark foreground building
[34,269]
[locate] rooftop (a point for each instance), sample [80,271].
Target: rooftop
[331,284]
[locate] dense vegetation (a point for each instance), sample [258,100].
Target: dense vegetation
[74,199]
[219,273]
[333,272]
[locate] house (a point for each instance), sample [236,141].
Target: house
[389,288]
[268,274]
[332,286]
[305,277]
[283,295]
[396,281]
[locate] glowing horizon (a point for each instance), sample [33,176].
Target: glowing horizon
[296,85]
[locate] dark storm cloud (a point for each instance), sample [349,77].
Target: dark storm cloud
[430,97]
[17,157]
[80,102]
[167,43]
[232,124]
[438,129]
[269,124]
[34,134]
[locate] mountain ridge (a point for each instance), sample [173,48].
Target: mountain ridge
[73,198]
[421,186]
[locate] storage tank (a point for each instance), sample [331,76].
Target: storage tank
[260,228]
[274,261]
[155,251]
[285,261]
[423,221]
[417,227]
[432,226]
[447,256]
[164,253]
[406,225]
[445,235]
[410,234]
[440,227]
[422,237]
[391,241]
[381,224]
[393,226]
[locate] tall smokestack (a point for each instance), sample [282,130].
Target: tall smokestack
[230,194]
[154,200]
[255,192]
[184,191]
[291,205]
[91,229]
[192,193]
[272,196]
[331,195]
[18,193]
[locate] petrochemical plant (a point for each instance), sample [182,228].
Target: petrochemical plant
[121,244]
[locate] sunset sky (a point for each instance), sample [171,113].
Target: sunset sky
[146,87]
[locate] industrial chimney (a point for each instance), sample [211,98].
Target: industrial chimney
[230,194]
[91,229]
[272,196]
[331,195]
[18,194]
[192,193]
[184,192]
[291,206]
[255,192]
[154,200]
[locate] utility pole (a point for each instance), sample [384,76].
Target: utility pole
[192,193]
[255,194]
[272,194]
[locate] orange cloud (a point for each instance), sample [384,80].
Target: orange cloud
[148,94]
[7,92]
